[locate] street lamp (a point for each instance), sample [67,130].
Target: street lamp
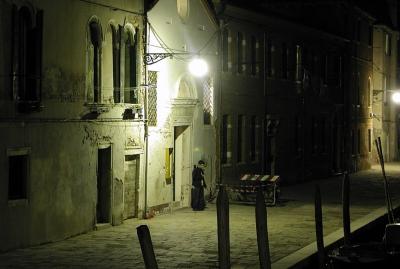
[198,67]
[396,97]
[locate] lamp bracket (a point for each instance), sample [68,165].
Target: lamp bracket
[152,58]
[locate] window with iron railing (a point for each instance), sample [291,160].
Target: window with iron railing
[152,99]
[208,100]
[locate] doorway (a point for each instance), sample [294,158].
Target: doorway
[103,208]
[182,165]
[131,184]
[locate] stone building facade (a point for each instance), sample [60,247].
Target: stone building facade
[71,117]
[184,130]
[304,72]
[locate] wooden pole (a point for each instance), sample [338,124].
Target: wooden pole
[385,183]
[223,229]
[319,228]
[147,247]
[262,231]
[346,209]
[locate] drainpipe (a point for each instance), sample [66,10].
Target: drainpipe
[146,126]
[264,117]
[219,120]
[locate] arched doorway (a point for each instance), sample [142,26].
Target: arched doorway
[183,106]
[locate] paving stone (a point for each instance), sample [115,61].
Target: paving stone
[187,239]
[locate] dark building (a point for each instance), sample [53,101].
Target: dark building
[303,70]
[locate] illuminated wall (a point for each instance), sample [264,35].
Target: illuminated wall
[52,138]
[182,28]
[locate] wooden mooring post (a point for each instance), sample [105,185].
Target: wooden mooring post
[147,247]
[319,232]
[389,206]
[262,231]
[346,209]
[223,229]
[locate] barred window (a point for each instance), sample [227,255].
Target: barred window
[208,96]
[152,99]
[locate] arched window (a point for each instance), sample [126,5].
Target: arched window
[183,9]
[27,55]
[130,67]
[95,40]
[116,63]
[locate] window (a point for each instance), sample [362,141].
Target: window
[369,140]
[297,132]
[225,52]
[384,87]
[254,56]
[324,69]
[299,67]
[334,70]
[353,142]
[241,43]
[313,133]
[183,9]
[226,145]
[17,174]
[369,91]
[95,59]
[152,99]
[269,59]
[241,137]
[130,71]
[358,30]
[358,141]
[388,44]
[370,35]
[208,100]
[323,138]
[284,61]
[116,63]
[254,126]
[27,58]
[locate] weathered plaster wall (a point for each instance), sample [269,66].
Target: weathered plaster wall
[62,192]
[62,174]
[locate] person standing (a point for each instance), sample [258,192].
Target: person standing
[198,185]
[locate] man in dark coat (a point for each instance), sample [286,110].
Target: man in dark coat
[198,185]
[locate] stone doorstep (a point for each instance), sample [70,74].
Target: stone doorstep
[102,226]
[303,254]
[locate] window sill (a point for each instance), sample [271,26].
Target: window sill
[25,106]
[18,203]
[98,107]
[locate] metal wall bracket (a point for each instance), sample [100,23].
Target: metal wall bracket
[152,58]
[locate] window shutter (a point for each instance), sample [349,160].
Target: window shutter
[38,53]
[15,53]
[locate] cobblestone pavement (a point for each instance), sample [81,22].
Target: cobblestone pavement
[188,239]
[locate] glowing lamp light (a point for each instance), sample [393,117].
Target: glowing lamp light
[198,67]
[396,97]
